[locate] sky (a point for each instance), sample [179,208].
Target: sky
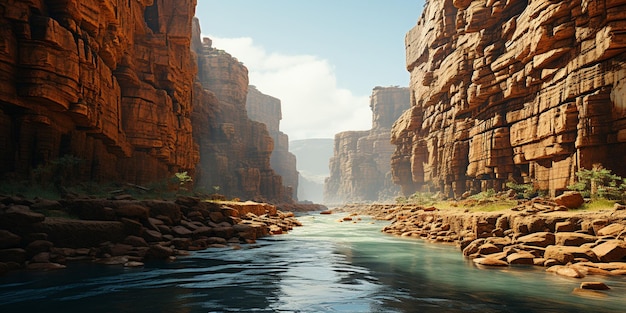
[321,58]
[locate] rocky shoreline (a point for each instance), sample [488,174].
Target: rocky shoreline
[538,232]
[125,231]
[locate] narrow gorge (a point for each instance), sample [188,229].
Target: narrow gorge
[360,168]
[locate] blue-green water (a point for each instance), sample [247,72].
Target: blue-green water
[323,266]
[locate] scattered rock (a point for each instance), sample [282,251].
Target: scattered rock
[611,230]
[573,239]
[594,285]
[8,239]
[566,271]
[490,262]
[135,241]
[570,199]
[44,266]
[611,251]
[19,215]
[567,254]
[526,258]
[539,239]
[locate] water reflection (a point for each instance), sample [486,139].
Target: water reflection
[322,267]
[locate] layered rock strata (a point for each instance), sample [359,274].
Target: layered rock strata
[524,91]
[126,231]
[360,168]
[109,82]
[267,110]
[234,150]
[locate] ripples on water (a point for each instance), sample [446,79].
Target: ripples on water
[321,267]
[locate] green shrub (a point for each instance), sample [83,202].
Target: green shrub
[483,195]
[523,191]
[599,182]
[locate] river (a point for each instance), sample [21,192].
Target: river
[323,266]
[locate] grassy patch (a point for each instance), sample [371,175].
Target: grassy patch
[597,205]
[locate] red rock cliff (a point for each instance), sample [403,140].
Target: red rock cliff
[234,150]
[525,91]
[107,81]
[267,110]
[360,168]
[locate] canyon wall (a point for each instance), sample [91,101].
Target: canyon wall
[109,82]
[360,168]
[234,150]
[267,110]
[523,91]
[116,84]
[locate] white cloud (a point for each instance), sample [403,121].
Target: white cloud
[312,104]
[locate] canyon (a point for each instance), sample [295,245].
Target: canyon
[511,91]
[130,90]
[359,168]
[267,110]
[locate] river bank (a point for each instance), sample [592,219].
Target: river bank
[43,234]
[539,232]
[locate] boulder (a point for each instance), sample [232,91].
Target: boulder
[20,215]
[44,266]
[594,285]
[132,211]
[472,248]
[611,230]
[567,254]
[157,251]
[181,231]
[217,217]
[38,246]
[573,239]
[8,239]
[152,235]
[570,199]
[42,257]
[565,226]
[566,271]
[167,211]
[539,239]
[131,226]
[489,262]
[45,204]
[526,258]
[224,231]
[135,241]
[203,231]
[610,251]
[488,248]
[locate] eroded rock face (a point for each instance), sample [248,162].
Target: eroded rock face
[106,81]
[234,150]
[512,91]
[360,167]
[267,110]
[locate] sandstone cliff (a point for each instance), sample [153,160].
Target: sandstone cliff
[525,91]
[267,110]
[109,82]
[234,150]
[360,168]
